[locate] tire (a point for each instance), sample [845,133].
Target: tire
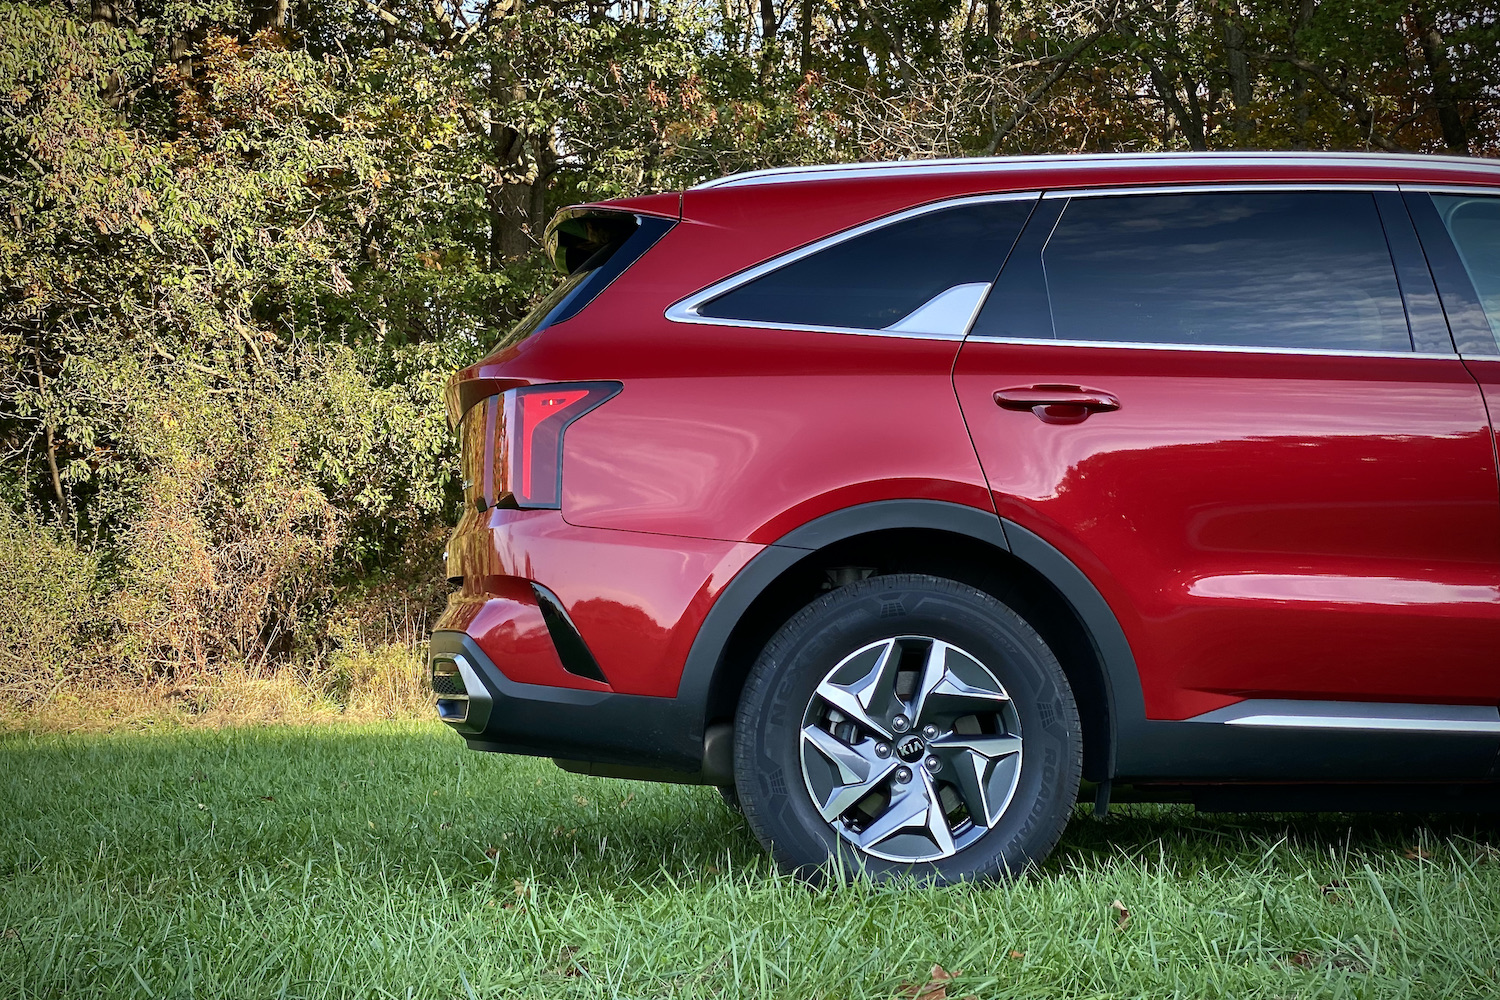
[975,780]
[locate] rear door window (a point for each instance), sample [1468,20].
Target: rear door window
[1300,270]
[1474,224]
[926,273]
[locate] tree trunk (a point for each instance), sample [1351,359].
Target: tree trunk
[268,15]
[768,43]
[1190,126]
[1444,92]
[508,198]
[1299,80]
[64,509]
[1241,87]
[182,54]
[804,51]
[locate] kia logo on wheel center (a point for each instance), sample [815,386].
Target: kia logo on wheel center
[910,749]
[1164,477]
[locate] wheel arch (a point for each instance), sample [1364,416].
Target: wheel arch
[945,539]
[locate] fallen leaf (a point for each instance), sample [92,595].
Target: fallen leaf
[580,800]
[568,963]
[1303,960]
[268,798]
[1017,954]
[521,888]
[1418,853]
[491,852]
[1331,890]
[627,800]
[371,822]
[10,934]
[935,988]
[1485,854]
[1122,915]
[202,806]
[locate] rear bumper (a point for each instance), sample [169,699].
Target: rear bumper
[569,642]
[507,716]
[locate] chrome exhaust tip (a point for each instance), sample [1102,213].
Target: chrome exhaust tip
[462,699]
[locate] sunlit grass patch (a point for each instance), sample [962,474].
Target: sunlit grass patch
[364,683]
[387,860]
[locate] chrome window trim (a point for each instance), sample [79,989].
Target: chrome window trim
[685,310]
[1279,713]
[1083,163]
[1238,187]
[1479,190]
[1218,348]
[1480,357]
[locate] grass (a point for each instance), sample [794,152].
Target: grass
[386,860]
[366,683]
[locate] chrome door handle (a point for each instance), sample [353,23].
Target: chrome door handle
[1057,404]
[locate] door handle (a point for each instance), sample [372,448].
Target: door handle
[1057,404]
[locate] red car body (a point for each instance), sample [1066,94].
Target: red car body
[1265,573]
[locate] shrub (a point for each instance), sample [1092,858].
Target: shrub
[52,625]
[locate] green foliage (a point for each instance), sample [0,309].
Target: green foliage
[53,621]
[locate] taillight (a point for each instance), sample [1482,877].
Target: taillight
[529,439]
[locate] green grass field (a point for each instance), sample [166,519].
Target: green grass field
[388,861]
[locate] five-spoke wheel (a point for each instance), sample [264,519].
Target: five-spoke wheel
[907,723]
[911,748]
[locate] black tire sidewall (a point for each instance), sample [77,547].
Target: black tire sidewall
[768,770]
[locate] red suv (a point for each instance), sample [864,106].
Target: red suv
[906,500]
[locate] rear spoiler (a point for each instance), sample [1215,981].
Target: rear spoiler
[578,232]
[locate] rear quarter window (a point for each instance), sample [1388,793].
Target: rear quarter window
[922,274]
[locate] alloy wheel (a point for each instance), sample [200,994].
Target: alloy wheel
[910,749]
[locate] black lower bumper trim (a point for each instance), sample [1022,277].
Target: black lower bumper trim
[598,726]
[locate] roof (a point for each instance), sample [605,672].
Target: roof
[1078,166]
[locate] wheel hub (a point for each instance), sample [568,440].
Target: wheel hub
[902,701]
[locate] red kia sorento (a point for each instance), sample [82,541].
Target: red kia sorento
[908,502]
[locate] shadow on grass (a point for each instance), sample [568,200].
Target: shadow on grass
[412,797]
[1190,840]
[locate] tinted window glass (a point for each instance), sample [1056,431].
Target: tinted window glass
[1300,270]
[606,263]
[877,279]
[1474,224]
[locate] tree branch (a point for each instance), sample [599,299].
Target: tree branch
[1363,113]
[1064,62]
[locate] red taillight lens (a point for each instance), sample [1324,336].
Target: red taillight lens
[529,439]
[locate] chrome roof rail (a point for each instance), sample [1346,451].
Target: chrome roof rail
[1089,161]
